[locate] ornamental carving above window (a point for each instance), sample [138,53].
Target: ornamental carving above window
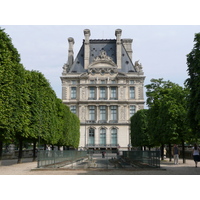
[102,64]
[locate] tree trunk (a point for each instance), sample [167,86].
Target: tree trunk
[162,152]
[1,151]
[20,151]
[183,151]
[149,148]
[170,152]
[34,151]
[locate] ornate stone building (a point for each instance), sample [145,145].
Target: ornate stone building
[104,88]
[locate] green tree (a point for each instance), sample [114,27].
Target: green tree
[167,119]
[193,83]
[139,125]
[13,108]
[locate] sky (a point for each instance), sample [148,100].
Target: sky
[161,49]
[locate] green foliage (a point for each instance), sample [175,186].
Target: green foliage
[193,83]
[29,106]
[167,115]
[139,133]
[13,98]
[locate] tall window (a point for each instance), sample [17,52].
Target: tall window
[102,93]
[132,110]
[91,112]
[113,93]
[114,136]
[91,136]
[102,112]
[132,92]
[92,93]
[113,112]
[73,92]
[103,136]
[73,109]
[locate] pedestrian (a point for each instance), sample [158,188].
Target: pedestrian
[195,153]
[175,153]
[103,154]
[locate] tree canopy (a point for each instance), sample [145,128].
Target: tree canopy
[29,108]
[193,83]
[167,111]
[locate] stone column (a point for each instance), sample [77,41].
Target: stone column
[70,51]
[97,113]
[118,33]
[97,93]
[108,136]
[108,92]
[86,48]
[108,113]
[96,138]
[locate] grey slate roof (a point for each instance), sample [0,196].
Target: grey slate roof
[96,46]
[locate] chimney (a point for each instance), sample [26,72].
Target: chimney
[70,51]
[118,33]
[128,46]
[86,48]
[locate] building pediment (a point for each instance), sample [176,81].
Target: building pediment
[102,64]
[102,61]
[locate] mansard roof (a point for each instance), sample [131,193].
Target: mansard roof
[96,47]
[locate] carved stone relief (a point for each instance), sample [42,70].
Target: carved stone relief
[83,113]
[122,93]
[123,113]
[83,94]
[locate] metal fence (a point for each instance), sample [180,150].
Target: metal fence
[142,158]
[107,159]
[55,158]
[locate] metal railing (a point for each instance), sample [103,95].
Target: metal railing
[143,158]
[110,159]
[55,158]
[102,145]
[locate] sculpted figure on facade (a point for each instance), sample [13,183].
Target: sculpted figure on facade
[103,56]
[122,93]
[122,113]
[138,66]
[83,93]
[83,114]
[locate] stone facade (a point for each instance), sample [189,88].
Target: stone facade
[104,88]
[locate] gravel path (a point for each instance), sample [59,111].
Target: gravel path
[9,167]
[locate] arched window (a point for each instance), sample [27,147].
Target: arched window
[91,136]
[114,136]
[103,136]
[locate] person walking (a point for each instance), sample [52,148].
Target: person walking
[175,153]
[195,154]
